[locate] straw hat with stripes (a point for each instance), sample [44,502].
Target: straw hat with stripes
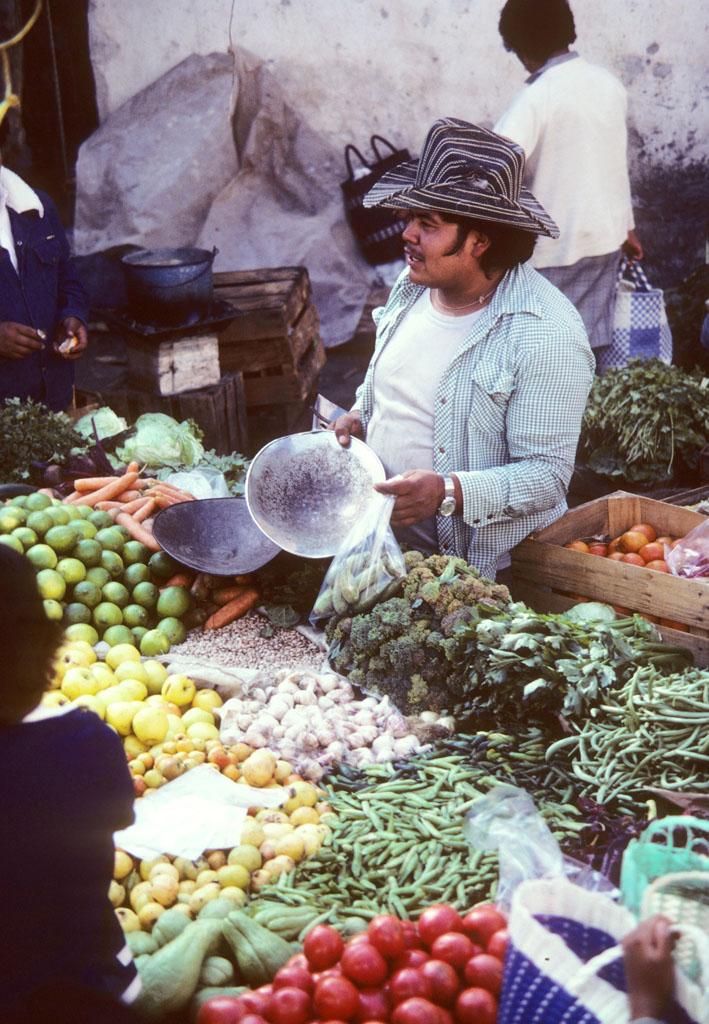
[468,171]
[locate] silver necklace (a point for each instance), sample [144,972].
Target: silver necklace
[473,302]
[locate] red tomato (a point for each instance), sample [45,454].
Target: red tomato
[481,924]
[364,965]
[299,960]
[221,1010]
[411,935]
[335,998]
[253,1018]
[323,947]
[497,946]
[386,933]
[475,1006]
[444,981]
[356,939]
[437,920]
[484,971]
[294,977]
[256,1002]
[290,1006]
[373,1005]
[454,948]
[407,983]
[416,1011]
[445,1015]
[411,958]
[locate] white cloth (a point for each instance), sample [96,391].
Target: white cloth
[570,121]
[16,195]
[406,380]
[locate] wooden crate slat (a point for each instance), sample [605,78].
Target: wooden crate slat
[267,352]
[288,385]
[269,301]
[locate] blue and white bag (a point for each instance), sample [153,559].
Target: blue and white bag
[640,327]
[564,962]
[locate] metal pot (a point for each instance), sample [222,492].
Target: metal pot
[169,286]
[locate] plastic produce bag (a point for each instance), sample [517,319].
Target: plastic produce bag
[690,558]
[159,440]
[203,482]
[367,568]
[508,821]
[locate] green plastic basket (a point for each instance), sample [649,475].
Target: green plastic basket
[667,846]
[683,898]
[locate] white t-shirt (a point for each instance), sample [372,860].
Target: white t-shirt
[570,122]
[406,378]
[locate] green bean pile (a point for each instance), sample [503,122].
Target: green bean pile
[653,732]
[398,845]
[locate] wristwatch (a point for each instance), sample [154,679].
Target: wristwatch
[447,506]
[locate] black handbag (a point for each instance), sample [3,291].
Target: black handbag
[377,230]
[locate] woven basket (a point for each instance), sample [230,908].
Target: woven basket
[684,899]
[669,845]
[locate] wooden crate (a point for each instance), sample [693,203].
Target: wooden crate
[174,365]
[269,301]
[549,577]
[220,411]
[284,383]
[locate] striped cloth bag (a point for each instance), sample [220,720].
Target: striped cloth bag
[564,963]
[640,327]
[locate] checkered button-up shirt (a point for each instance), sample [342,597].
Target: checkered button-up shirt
[508,412]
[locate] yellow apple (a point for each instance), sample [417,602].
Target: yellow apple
[120,653]
[120,715]
[133,689]
[133,746]
[179,690]
[77,682]
[116,893]
[127,919]
[122,865]
[54,699]
[157,674]
[207,699]
[193,715]
[150,724]
[91,702]
[131,670]
[103,675]
[202,731]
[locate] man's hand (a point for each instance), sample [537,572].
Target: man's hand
[632,248]
[346,426]
[18,340]
[649,969]
[418,494]
[72,338]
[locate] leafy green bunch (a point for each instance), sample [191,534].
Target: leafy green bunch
[30,432]
[644,418]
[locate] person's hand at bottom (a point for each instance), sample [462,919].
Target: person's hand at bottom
[72,338]
[649,969]
[418,494]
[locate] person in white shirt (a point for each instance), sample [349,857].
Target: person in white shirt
[571,122]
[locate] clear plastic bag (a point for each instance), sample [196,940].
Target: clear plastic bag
[368,567]
[508,821]
[690,558]
[203,482]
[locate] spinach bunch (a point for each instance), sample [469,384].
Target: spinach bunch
[644,420]
[30,432]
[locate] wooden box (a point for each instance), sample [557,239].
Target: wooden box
[174,365]
[220,411]
[550,578]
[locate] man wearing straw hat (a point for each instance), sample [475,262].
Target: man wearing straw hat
[475,393]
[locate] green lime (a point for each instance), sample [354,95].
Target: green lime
[40,522]
[53,610]
[81,631]
[41,555]
[51,584]
[111,539]
[83,511]
[101,520]
[136,615]
[116,593]
[154,642]
[9,520]
[76,613]
[135,573]
[35,502]
[25,536]
[98,575]
[146,594]
[73,512]
[61,538]
[19,502]
[162,566]
[173,629]
[173,601]
[118,635]
[135,552]
[73,570]
[87,593]
[113,562]
[138,632]
[59,514]
[83,529]
[12,542]
[88,551]
[107,614]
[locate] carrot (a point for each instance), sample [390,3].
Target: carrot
[71,498]
[234,609]
[133,467]
[106,506]
[137,531]
[144,511]
[180,579]
[226,594]
[92,483]
[49,491]
[165,500]
[112,490]
[133,504]
[128,495]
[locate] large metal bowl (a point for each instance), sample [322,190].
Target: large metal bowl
[306,491]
